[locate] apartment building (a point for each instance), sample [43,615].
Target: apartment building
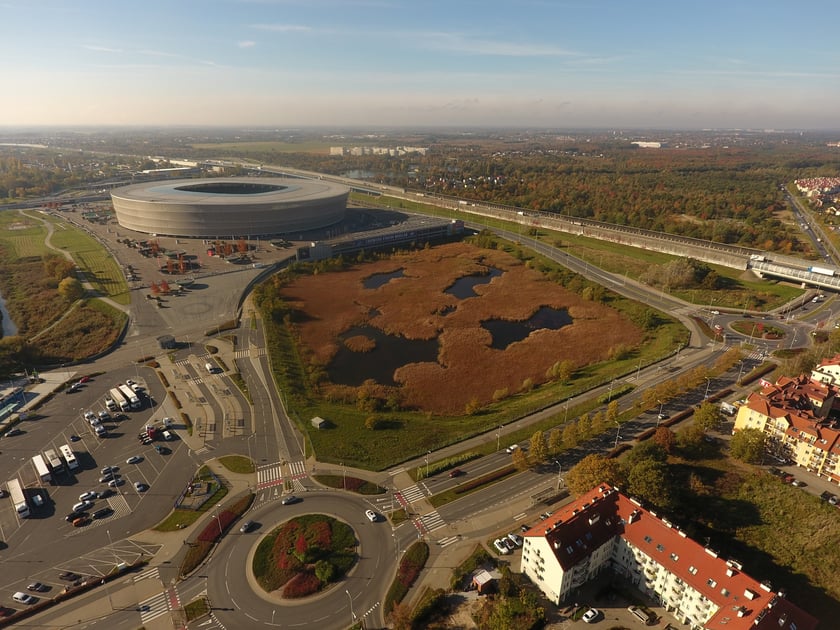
[794,414]
[605,530]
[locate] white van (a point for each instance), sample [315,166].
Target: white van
[211,369]
[24,598]
[167,435]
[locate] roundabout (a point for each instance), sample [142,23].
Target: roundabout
[233,590]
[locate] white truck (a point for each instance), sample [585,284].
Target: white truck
[18,498]
[119,399]
[131,396]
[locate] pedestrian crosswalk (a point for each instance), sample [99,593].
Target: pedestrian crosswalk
[429,522]
[411,494]
[270,475]
[297,470]
[153,607]
[152,573]
[251,352]
[449,540]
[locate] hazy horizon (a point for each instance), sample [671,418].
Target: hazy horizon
[599,64]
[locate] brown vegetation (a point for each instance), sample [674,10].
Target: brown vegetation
[468,369]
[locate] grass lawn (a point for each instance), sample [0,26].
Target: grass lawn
[238,464]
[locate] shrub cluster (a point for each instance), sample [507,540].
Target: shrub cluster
[411,564]
[211,533]
[485,479]
[163,379]
[354,484]
[446,464]
[175,400]
[301,585]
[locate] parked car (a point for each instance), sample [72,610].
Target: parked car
[116,482]
[84,379]
[516,539]
[87,496]
[501,547]
[24,598]
[81,521]
[590,615]
[73,516]
[102,512]
[110,477]
[140,487]
[104,415]
[38,587]
[108,469]
[69,576]
[134,459]
[75,438]
[797,483]
[12,432]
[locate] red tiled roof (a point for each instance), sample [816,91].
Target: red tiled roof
[599,515]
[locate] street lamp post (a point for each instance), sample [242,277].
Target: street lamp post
[427,462]
[352,614]
[617,435]
[708,383]
[559,473]
[499,438]
[659,417]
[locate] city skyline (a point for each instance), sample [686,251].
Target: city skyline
[537,63]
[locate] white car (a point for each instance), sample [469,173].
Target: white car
[371,516]
[87,496]
[501,547]
[24,598]
[134,459]
[81,506]
[590,615]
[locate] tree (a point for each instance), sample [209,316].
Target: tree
[584,427]
[666,439]
[324,571]
[372,423]
[537,451]
[649,450]
[649,480]
[519,459]
[71,289]
[707,416]
[400,616]
[612,412]
[748,445]
[593,470]
[555,441]
[570,435]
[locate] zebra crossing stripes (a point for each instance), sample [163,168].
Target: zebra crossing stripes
[429,522]
[153,607]
[297,470]
[412,494]
[150,573]
[251,352]
[271,475]
[449,540]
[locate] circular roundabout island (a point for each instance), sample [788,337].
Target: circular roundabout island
[228,207]
[304,556]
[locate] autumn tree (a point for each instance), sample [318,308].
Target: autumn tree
[748,445]
[584,427]
[71,289]
[537,452]
[570,435]
[593,470]
[649,480]
[555,441]
[519,459]
[666,439]
[708,416]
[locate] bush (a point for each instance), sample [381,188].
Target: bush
[411,564]
[174,398]
[163,379]
[301,585]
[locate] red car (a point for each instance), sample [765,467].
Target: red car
[84,379]
[456,473]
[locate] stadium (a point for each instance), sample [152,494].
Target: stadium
[227,207]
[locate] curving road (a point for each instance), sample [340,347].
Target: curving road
[232,591]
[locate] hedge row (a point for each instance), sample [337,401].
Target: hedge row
[485,479]
[212,532]
[411,564]
[445,464]
[175,400]
[163,379]
[354,484]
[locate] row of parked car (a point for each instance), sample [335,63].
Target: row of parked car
[508,544]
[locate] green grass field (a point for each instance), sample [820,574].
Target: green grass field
[21,236]
[99,266]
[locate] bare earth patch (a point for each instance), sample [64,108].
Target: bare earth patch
[416,306]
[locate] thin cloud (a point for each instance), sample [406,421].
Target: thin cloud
[101,49]
[456,42]
[282,28]
[246,44]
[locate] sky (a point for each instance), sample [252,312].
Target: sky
[662,64]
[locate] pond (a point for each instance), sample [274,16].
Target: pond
[381,279]
[506,332]
[391,352]
[464,287]
[7,326]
